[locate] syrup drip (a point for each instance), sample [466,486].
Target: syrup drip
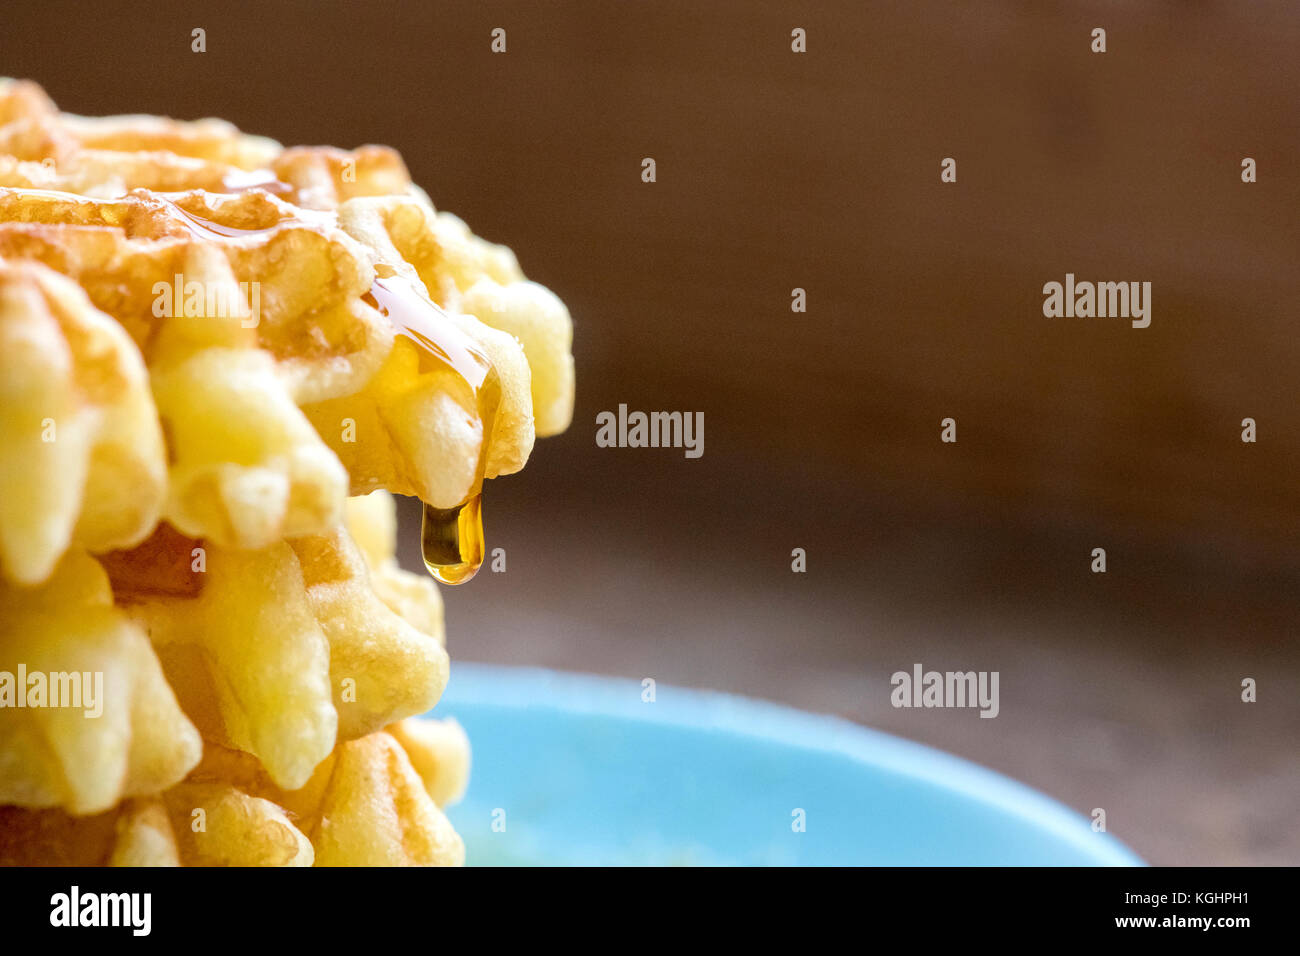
[451,539]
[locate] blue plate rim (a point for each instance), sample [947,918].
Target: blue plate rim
[749,717]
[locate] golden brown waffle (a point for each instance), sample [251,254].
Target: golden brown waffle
[207,344]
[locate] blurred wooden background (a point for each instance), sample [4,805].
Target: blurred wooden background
[821,171]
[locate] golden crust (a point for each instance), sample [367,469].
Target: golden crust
[126,737]
[367,804]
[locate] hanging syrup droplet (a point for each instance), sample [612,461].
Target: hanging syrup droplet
[452,540]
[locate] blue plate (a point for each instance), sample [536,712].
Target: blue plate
[570,769]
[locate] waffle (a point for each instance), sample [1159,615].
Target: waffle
[220,358]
